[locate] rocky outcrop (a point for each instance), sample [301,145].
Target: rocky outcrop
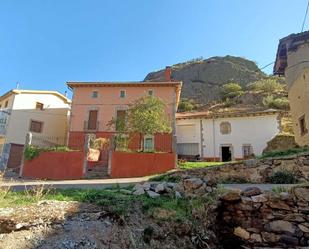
[281,142]
[264,220]
[202,79]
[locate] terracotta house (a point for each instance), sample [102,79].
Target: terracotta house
[94,104]
[292,62]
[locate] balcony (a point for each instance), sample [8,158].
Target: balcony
[91,126]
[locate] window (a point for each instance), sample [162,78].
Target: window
[150,92]
[247,151]
[6,104]
[122,94]
[39,106]
[225,128]
[302,125]
[148,143]
[95,94]
[121,120]
[92,120]
[36,126]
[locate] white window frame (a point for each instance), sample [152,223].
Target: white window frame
[125,94]
[153,143]
[97,94]
[243,150]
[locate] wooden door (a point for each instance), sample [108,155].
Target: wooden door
[93,120]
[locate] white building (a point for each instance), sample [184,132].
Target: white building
[225,136]
[44,113]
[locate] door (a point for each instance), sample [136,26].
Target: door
[92,120]
[226,153]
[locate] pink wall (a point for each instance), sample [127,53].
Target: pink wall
[109,99]
[55,165]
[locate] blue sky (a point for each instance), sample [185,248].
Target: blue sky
[43,44]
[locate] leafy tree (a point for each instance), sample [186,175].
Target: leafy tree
[145,116]
[268,85]
[231,90]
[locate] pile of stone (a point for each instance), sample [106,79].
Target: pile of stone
[268,219]
[190,187]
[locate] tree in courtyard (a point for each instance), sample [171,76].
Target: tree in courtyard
[145,116]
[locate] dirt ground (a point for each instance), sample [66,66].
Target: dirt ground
[73,225]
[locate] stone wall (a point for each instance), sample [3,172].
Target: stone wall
[255,219]
[253,170]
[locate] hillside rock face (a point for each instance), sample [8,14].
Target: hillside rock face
[202,79]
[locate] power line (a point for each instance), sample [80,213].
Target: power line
[302,28]
[267,65]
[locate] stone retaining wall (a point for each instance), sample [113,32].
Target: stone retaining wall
[255,219]
[253,170]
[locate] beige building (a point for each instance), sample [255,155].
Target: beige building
[43,113]
[292,61]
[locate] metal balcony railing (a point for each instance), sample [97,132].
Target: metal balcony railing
[91,126]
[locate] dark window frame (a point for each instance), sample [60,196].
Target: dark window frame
[32,129]
[39,106]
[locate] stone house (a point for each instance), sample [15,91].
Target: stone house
[225,136]
[292,61]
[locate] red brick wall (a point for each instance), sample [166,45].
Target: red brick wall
[141,164]
[55,165]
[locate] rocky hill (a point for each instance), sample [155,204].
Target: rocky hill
[202,79]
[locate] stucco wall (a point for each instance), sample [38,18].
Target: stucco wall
[109,100]
[255,130]
[297,61]
[54,116]
[299,102]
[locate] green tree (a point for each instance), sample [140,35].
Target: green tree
[145,116]
[277,103]
[231,90]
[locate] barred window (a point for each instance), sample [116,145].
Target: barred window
[36,126]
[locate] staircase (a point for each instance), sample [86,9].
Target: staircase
[97,171]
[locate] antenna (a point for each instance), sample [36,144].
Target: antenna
[17,85]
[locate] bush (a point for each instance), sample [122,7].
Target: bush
[32,152]
[268,85]
[277,103]
[186,105]
[283,177]
[231,90]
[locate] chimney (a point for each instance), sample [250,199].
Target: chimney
[168,73]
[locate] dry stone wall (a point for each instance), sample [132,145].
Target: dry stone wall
[253,170]
[264,220]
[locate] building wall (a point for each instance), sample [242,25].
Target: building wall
[299,102]
[54,116]
[109,100]
[255,130]
[297,61]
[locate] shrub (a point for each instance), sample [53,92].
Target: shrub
[282,153]
[231,90]
[186,105]
[268,85]
[277,103]
[283,177]
[32,152]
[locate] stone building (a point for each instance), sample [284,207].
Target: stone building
[292,61]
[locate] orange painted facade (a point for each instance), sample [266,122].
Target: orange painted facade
[55,166]
[141,164]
